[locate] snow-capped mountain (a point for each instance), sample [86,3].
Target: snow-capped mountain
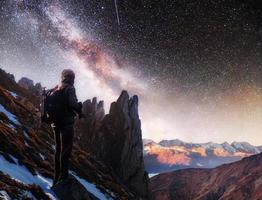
[246,147]
[175,154]
[233,147]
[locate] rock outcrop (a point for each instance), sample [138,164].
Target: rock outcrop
[7,81]
[71,189]
[28,84]
[116,140]
[87,128]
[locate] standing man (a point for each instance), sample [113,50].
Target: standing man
[63,107]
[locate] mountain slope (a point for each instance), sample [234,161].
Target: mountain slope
[168,155]
[241,180]
[27,148]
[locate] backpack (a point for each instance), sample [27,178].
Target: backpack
[53,105]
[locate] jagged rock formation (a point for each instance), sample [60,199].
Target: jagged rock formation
[241,180]
[87,128]
[7,81]
[116,140]
[120,140]
[28,84]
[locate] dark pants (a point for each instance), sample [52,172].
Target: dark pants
[63,148]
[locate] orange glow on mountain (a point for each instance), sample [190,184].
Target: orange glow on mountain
[242,155]
[199,150]
[168,156]
[221,152]
[182,155]
[173,158]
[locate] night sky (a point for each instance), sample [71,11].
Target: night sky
[190,43]
[196,65]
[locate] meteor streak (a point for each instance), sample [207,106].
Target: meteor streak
[117,15]
[106,69]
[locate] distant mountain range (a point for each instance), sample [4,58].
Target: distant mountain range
[169,155]
[241,180]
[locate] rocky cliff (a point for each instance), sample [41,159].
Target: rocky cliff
[116,139]
[241,180]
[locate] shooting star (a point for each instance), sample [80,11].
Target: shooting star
[117,15]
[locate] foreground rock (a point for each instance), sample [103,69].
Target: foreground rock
[71,189]
[116,140]
[241,180]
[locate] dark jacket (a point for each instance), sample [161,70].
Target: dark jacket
[72,105]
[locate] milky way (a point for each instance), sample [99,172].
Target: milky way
[196,67]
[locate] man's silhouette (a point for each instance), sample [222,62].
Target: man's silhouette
[63,124]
